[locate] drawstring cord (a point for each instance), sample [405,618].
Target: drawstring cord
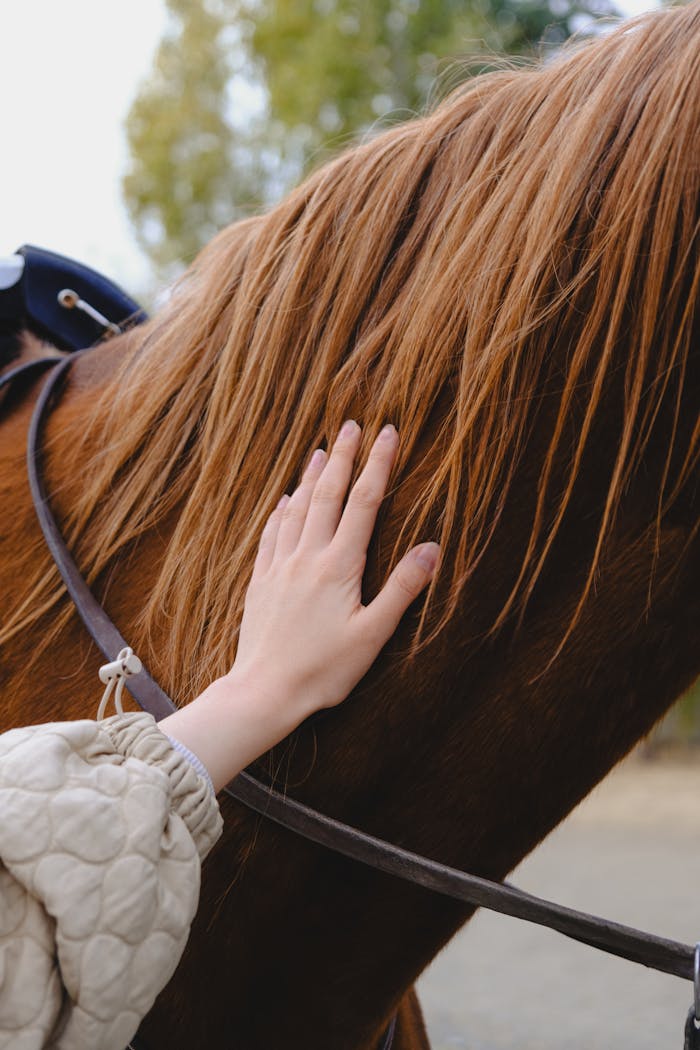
[116,673]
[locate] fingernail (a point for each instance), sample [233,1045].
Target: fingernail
[428,555]
[317,459]
[283,501]
[348,428]
[387,432]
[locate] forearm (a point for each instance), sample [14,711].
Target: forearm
[230,724]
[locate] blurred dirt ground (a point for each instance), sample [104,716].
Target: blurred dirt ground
[629,852]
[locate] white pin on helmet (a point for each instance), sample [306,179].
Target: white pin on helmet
[11,270]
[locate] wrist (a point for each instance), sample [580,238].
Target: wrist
[234,721]
[275,698]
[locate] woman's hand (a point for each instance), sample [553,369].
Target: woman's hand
[305,633]
[305,637]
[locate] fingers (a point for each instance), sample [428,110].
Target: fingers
[313,515]
[360,515]
[294,513]
[408,579]
[268,539]
[329,492]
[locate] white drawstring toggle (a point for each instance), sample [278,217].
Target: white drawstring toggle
[126,664]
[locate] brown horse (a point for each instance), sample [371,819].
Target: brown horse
[514,281]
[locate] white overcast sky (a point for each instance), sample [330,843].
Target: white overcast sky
[69,70]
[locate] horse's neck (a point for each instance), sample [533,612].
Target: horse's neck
[471,758]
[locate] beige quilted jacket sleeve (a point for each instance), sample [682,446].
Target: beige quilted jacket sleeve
[103,827]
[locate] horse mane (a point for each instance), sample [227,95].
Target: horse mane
[433,269]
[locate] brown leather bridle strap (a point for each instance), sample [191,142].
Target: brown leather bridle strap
[665,955]
[388,1037]
[26,369]
[151,697]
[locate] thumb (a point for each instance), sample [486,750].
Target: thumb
[408,579]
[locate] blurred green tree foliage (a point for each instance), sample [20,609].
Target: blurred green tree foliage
[246,95]
[681,725]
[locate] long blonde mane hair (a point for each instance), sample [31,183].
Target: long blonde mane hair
[441,260]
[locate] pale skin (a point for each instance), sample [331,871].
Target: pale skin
[306,638]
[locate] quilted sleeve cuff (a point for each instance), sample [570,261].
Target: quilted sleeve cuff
[138,736]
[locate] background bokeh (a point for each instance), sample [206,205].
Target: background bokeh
[297,80]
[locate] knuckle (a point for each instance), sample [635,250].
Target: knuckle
[326,577]
[346,441]
[267,538]
[406,582]
[325,494]
[296,563]
[292,570]
[381,451]
[366,496]
[326,568]
[292,511]
[343,456]
[331,568]
[347,565]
